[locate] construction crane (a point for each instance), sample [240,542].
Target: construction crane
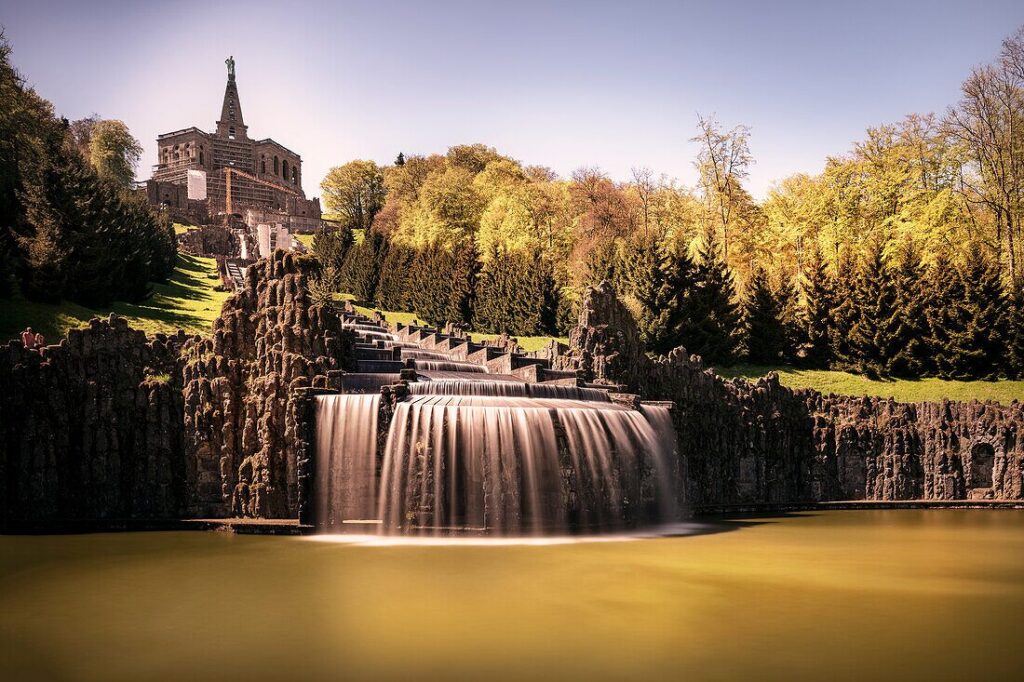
[228,172]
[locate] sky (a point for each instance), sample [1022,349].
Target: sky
[560,84]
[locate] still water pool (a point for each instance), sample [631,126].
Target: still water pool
[850,595]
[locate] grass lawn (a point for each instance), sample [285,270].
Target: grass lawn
[187,301]
[529,343]
[904,390]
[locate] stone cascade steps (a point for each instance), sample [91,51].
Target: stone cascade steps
[376,356]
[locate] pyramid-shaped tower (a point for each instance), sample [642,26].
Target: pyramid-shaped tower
[231,124]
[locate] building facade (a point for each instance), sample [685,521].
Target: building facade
[205,177]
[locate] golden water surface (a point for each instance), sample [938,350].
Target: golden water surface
[849,595]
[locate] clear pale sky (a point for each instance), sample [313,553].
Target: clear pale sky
[562,84]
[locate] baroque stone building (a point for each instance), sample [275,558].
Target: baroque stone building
[200,176]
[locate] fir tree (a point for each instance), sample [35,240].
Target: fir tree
[360,270]
[815,318]
[913,355]
[656,283]
[1014,362]
[873,335]
[766,334]
[713,319]
[945,315]
[844,316]
[978,346]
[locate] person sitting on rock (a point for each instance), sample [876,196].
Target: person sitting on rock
[40,341]
[28,338]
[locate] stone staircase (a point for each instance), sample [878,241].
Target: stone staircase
[377,355]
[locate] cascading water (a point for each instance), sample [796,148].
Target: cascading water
[474,452]
[448,366]
[346,460]
[512,466]
[506,388]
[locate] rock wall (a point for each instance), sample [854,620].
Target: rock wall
[242,447]
[762,443]
[209,240]
[90,428]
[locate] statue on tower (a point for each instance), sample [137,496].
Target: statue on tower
[230,61]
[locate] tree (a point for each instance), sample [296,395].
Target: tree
[400,159]
[873,338]
[657,279]
[360,271]
[766,333]
[978,347]
[114,153]
[816,314]
[713,327]
[81,133]
[330,245]
[945,314]
[989,122]
[913,354]
[723,162]
[355,192]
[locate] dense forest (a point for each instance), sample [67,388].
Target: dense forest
[70,225]
[902,257]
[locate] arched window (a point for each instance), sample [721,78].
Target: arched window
[263,164]
[200,158]
[284,170]
[277,166]
[231,133]
[982,461]
[295,175]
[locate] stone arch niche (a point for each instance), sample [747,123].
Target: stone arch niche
[982,466]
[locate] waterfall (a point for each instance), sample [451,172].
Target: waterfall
[367,382]
[473,452]
[506,388]
[495,464]
[666,454]
[346,459]
[418,354]
[448,366]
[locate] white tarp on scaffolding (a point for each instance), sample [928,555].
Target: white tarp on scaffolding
[263,239]
[196,184]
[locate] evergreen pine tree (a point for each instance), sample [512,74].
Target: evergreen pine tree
[656,283]
[844,315]
[913,356]
[1014,362]
[873,335]
[360,270]
[765,333]
[815,317]
[713,319]
[978,347]
[945,315]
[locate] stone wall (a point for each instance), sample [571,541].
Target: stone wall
[90,428]
[746,443]
[210,240]
[240,391]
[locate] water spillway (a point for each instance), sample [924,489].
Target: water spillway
[448,366]
[506,388]
[346,470]
[469,452]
